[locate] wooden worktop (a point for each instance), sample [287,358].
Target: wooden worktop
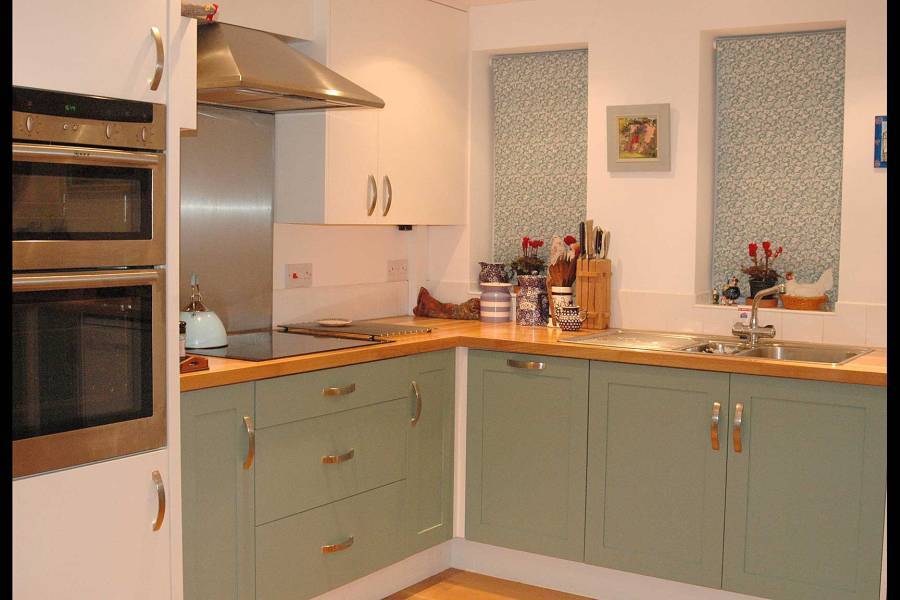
[869,369]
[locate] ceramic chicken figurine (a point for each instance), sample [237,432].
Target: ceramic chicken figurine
[808,290]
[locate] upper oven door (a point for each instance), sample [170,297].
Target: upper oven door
[78,207]
[88,367]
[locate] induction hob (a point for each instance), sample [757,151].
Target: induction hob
[268,345]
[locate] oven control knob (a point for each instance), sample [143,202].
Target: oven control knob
[29,123]
[66,126]
[144,134]
[108,131]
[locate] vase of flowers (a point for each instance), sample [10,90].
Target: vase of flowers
[529,263]
[760,273]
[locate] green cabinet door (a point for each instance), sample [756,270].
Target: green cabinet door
[805,495]
[429,483]
[526,448]
[656,481]
[217,493]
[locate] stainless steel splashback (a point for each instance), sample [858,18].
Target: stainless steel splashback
[227,179]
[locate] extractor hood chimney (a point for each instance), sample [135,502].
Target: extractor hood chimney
[254,70]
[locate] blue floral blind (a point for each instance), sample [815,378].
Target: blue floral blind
[779,141]
[540,147]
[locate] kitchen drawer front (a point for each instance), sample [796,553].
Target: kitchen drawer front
[296,397]
[292,474]
[291,564]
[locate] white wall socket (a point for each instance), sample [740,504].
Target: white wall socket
[298,275]
[397,270]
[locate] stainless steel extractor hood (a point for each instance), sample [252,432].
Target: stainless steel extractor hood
[254,70]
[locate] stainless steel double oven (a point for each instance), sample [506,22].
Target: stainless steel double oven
[88,231]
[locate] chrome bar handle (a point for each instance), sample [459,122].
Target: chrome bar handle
[160,58]
[714,426]
[332,548]
[371,195]
[334,459]
[82,155]
[738,421]
[526,364]
[388,196]
[339,391]
[161,499]
[251,443]
[25,283]
[415,419]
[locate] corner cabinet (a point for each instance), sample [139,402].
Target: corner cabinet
[94,47]
[404,163]
[526,450]
[806,489]
[217,473]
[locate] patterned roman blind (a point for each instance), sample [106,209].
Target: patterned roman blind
[779,142]
[540,148]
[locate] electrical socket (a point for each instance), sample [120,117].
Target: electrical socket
[298,275]
[397,270]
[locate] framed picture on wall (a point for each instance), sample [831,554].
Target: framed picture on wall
[881,142]
[637,137]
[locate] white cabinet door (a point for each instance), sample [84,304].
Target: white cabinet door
[293,18]
[422,128]
[86,533]
[98,47]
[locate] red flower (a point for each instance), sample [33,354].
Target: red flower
[524,243]
[753,247]
[569,240]
[766,246]
[768,253]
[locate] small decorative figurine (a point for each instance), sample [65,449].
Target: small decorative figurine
[715,296]
[731,292]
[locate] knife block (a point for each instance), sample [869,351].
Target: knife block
[593,291]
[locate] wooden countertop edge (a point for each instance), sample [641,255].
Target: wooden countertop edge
[244,371]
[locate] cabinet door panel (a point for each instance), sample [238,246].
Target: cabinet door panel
[86,532]
[526,450]
[656,487]
[217,493]
[429,480]
[93,47]
[805,498]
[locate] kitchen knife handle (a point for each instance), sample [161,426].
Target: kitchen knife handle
[371,196]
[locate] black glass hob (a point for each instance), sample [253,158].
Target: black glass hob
[268,345]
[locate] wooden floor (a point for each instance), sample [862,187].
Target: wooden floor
[454,584]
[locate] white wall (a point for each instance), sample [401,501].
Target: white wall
[660,221]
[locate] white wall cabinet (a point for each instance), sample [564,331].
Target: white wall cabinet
[293,18]
[98,47]
[86,533]
[413,54]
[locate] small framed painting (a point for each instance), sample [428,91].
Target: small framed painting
[637,137]
[881,142]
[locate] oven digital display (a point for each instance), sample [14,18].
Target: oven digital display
[61,104]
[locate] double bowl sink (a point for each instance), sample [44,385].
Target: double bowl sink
[722,346]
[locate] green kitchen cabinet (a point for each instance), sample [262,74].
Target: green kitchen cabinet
[656,471]
[429,481]
[806,489]
[217,493]
[526,449]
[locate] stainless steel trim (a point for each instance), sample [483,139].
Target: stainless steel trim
[388,196]
[714,426]
[331,548]
[371,195]
[160,58]
[339,391]
[526,364]
[81,446]
[90,132]
[738,422]
[334,459]
[251,442]
[67,281]
[82,155]
[415,419]
[161,500]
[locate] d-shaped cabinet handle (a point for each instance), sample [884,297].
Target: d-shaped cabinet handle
[161,500]
[251,442]
[415,419]
[738,423]
[388,196]
[160,58]
[332,548]
[371,195]
[714,426]
[335,459]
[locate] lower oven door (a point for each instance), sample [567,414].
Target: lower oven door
[88,354]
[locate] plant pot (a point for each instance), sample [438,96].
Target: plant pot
[757,285]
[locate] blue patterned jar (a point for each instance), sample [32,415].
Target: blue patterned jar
[496,302]
[492,273]
[532,307]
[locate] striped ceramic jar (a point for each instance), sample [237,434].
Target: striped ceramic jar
[496,302]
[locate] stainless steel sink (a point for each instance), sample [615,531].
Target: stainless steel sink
[721,345]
